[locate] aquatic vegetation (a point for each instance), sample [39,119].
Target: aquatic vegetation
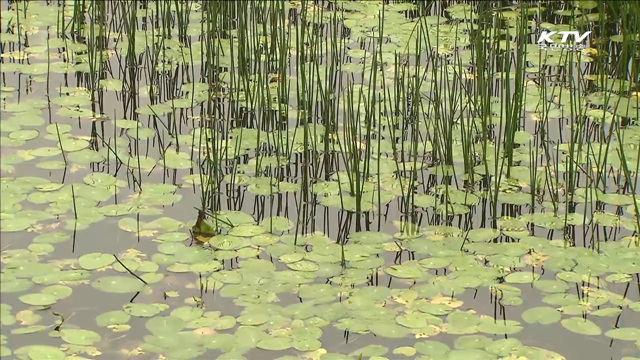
[320,180]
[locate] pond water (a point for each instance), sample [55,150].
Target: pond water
[320,180]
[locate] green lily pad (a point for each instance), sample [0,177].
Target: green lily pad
[522,277]
[80,337]
[483,235]
[388,330]
[38,299]
[274,343]
[435,349]
[118,284]
[304,266]
[541,315]
[144,310]
[160,325]
[407,351]
[32,329]
[58,291]
[247,230]
[44,352]
[24,135]
[187,313]
[253,318]
[581,326]
[404,271]
[627,333]
[117,317]
[95,261]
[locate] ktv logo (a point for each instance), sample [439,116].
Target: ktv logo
[546,42]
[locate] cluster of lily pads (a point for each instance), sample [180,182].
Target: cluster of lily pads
[397,119]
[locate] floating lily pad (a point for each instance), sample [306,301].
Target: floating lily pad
[627,333]
[581,326]
[44,352]
[58,291]
[522,277]
[117,317]
[541,315]
[306,266]
[144,310]
[247,230]
[164,325]
[118,284]
[94,261]
[38,299]
[79,336]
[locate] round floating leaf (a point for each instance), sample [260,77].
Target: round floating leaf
[28,317]
[418,320]
[581,326]
[306,344]
[117,317]
[85,156]
[228,242]
[5,351]
[38,299]
[15,285]
[16,224]
[541,315]
[369,237]
[165,224]
[175,160]
[472,342]
[71,144]
[187,313]
[619,278]
[274,343]
[247,230]
[371,351]
[469,354]
[164,325]
[29,329]
[404,271]
[551,286]
[100,179]
[96,260]
[628,334]
[173,237]
[304,266]
[224,323]
[208,267]
[24,135]
[291,258]
[607,312]
[152,278]
[144,310]
[435,262]
[59,291]
[490,326]
[41,249]
[483,235]
[522,277]
[435,349]
[51,238]
[26,269]
[79,336]
[276,223]
[388,330]
[44,352]
[407,351]
[253,318]
[118,284]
